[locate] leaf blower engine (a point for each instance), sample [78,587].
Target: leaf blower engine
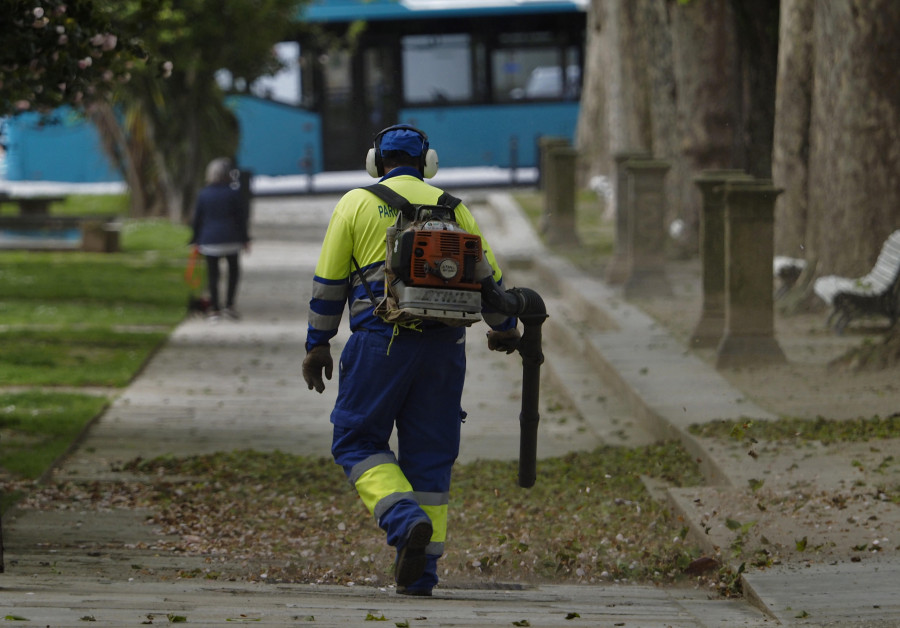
[436,270]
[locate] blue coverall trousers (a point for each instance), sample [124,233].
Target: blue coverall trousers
[414,382]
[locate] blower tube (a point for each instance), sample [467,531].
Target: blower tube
[528,306]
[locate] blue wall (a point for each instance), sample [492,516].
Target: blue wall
[277,139]
[481,135]
[62,146]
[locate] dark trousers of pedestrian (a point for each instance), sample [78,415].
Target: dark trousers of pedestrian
[214,278]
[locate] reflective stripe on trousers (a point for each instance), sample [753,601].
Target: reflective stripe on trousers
[382,485]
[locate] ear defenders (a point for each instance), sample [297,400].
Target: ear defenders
[428,158]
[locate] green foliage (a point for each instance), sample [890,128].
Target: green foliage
[174,118]
[38,427]
[57,52]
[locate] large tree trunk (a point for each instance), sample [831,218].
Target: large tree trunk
[704,51]
[654,23]
[854,167]
[626,101]
[592,136]
[793,106]
[756,25]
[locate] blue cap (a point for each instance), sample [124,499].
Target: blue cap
[406,140]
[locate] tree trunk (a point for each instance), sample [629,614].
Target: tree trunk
[854,167]
[625,102]
[704,52]
[592,137]
[793,105]
[654,23]
[756,25]
[117,147]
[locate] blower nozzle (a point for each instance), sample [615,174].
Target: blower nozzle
[529,307]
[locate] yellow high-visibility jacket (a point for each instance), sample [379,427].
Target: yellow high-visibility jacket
[357,230]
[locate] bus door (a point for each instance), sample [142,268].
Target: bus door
[359,99]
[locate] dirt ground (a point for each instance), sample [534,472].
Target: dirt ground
[802,501]
[806,386]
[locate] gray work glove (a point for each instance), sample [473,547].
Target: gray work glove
[503,340]
[317,359]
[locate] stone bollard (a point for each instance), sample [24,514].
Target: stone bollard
[749,338]
[711,325]
[617,269]
[558,221]
[646,229]
[546,143]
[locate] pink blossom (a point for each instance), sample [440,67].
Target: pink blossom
[38,12]
[105,41]
[23,105]
[85,63]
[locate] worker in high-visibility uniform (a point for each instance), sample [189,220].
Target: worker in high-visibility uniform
[391,375]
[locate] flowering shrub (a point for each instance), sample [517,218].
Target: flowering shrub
[57,53]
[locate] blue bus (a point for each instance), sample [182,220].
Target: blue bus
[484,78]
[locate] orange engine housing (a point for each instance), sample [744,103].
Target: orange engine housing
[437,257]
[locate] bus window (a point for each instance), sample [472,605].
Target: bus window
[436,69]
[535,74]
[283,86]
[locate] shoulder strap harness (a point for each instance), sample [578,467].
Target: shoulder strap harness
[406,209]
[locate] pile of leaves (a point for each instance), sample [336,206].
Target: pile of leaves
[277,517]
[822,429]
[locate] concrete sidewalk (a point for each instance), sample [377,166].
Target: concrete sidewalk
[238,385]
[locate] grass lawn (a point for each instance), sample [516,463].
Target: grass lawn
[39,426]
[81,205]
[72,319]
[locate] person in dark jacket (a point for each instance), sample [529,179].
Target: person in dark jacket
[220,230]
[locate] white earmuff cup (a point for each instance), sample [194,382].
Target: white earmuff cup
[371,168]
[431,163]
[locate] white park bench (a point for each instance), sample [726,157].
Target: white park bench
[875,294]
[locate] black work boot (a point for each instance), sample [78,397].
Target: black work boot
[411,559]
[416,592]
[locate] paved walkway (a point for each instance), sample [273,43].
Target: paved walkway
[219,387]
